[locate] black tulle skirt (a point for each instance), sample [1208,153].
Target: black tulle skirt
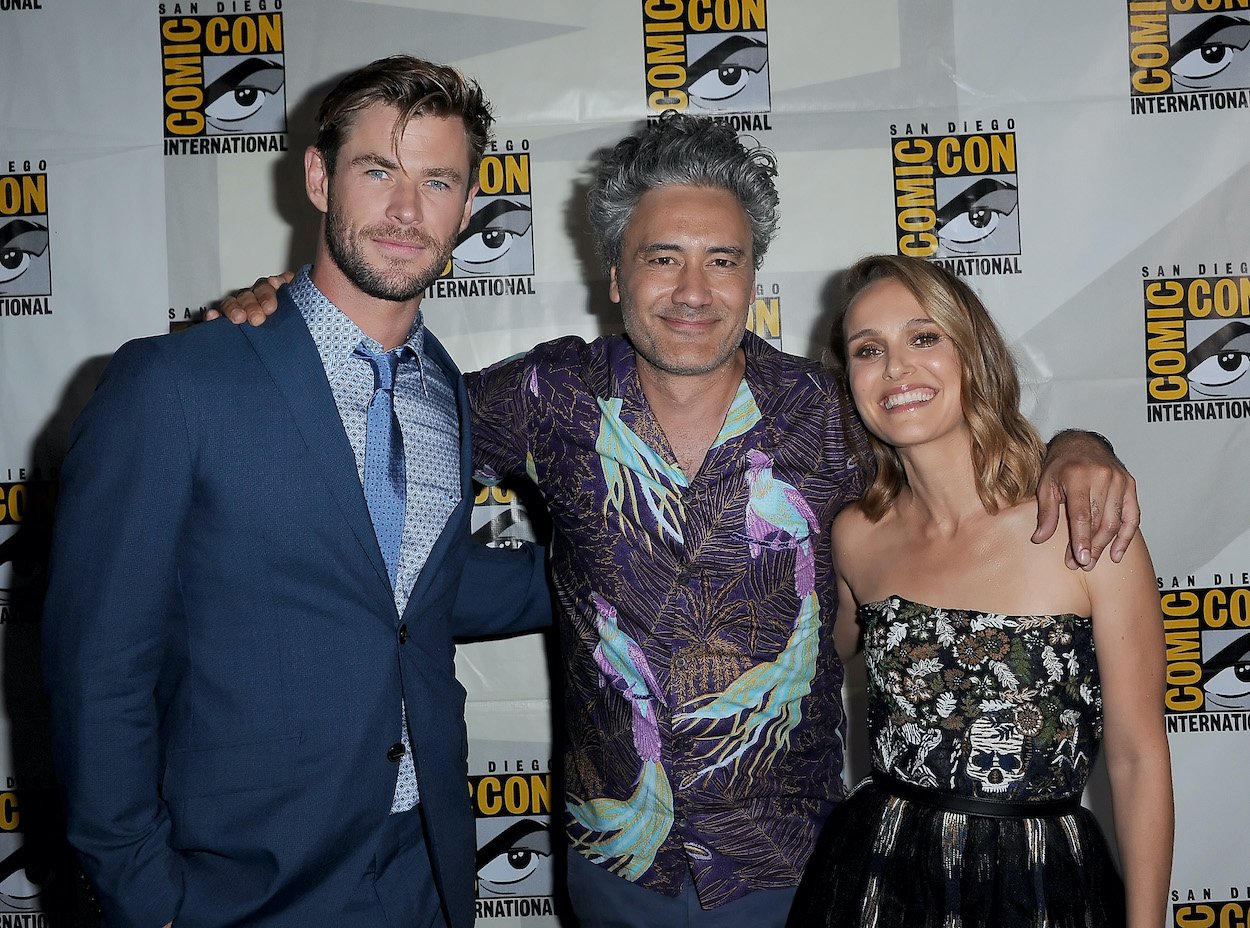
[887,862]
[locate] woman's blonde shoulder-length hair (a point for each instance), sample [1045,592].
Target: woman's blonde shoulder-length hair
[1006,450]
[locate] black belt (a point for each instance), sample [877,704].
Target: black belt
[993,808]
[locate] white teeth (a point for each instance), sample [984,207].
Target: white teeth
[911,396]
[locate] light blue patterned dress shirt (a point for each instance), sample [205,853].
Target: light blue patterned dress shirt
[425,405]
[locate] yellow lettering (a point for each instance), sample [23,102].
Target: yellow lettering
[181,30]
[25,195]
[764,317]
[1194,916]
[1150,48]
[918,246]
[662,9]
[9,817]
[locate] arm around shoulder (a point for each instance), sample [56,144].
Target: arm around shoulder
[252,305]
[502,402]
[502,592]
[1098,494]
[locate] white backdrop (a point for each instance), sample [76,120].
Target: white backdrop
[1087,165]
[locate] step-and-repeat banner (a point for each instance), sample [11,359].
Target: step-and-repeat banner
[1085,165]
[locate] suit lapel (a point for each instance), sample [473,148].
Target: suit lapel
[289,354]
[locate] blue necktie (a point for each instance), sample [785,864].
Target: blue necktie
[386,487]
[385,482]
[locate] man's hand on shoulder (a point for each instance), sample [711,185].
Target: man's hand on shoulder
[254,305]
[1082,473]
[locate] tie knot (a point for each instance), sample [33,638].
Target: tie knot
[384,364]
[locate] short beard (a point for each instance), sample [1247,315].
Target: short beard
[397,286]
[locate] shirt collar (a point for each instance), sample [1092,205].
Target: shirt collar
[334,334]
[622,363]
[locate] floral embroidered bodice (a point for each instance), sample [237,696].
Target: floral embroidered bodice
[980,704]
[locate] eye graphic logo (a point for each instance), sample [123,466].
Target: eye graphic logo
[1188,55]
[499,240]
[499,520]
[244,94]
[516,861]
[35,872]
[956,197]
[729,74]
[709,57]
[1207,633]
[977,216]
[513,866]
[1226,673]
[1219,365]
[1197,347]
[27,873]
[25,268]
[21,569]
[22,560]
[224,79]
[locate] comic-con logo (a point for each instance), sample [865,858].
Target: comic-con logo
[499,520]
[1207,637]
[224,77]
[1187,55]
[956,195]
[23,502]
[31,871]
[764,315]
[512,807]
[708,56]
[1197,343]
[494,255]
[25,262]
[1231,912]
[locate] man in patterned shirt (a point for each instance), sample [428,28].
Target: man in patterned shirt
[692,472]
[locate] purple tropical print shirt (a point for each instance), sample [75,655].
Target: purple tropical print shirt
[703,714]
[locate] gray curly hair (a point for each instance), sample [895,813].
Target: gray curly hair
[681,150]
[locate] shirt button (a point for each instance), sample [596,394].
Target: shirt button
[403,633]
[395,751]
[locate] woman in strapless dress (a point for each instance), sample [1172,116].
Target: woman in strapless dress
[995,674]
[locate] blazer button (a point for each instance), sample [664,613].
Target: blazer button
[396,751]
[403,633]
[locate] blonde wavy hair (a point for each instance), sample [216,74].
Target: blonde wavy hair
[1006,450]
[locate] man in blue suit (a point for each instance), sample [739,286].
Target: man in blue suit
[248,632]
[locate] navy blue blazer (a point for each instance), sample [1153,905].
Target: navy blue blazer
[222,651]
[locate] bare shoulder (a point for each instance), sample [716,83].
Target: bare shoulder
[1018,523]
[1031,577]
[854,541]
[850,525]
[1134,572]
[1042,570]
